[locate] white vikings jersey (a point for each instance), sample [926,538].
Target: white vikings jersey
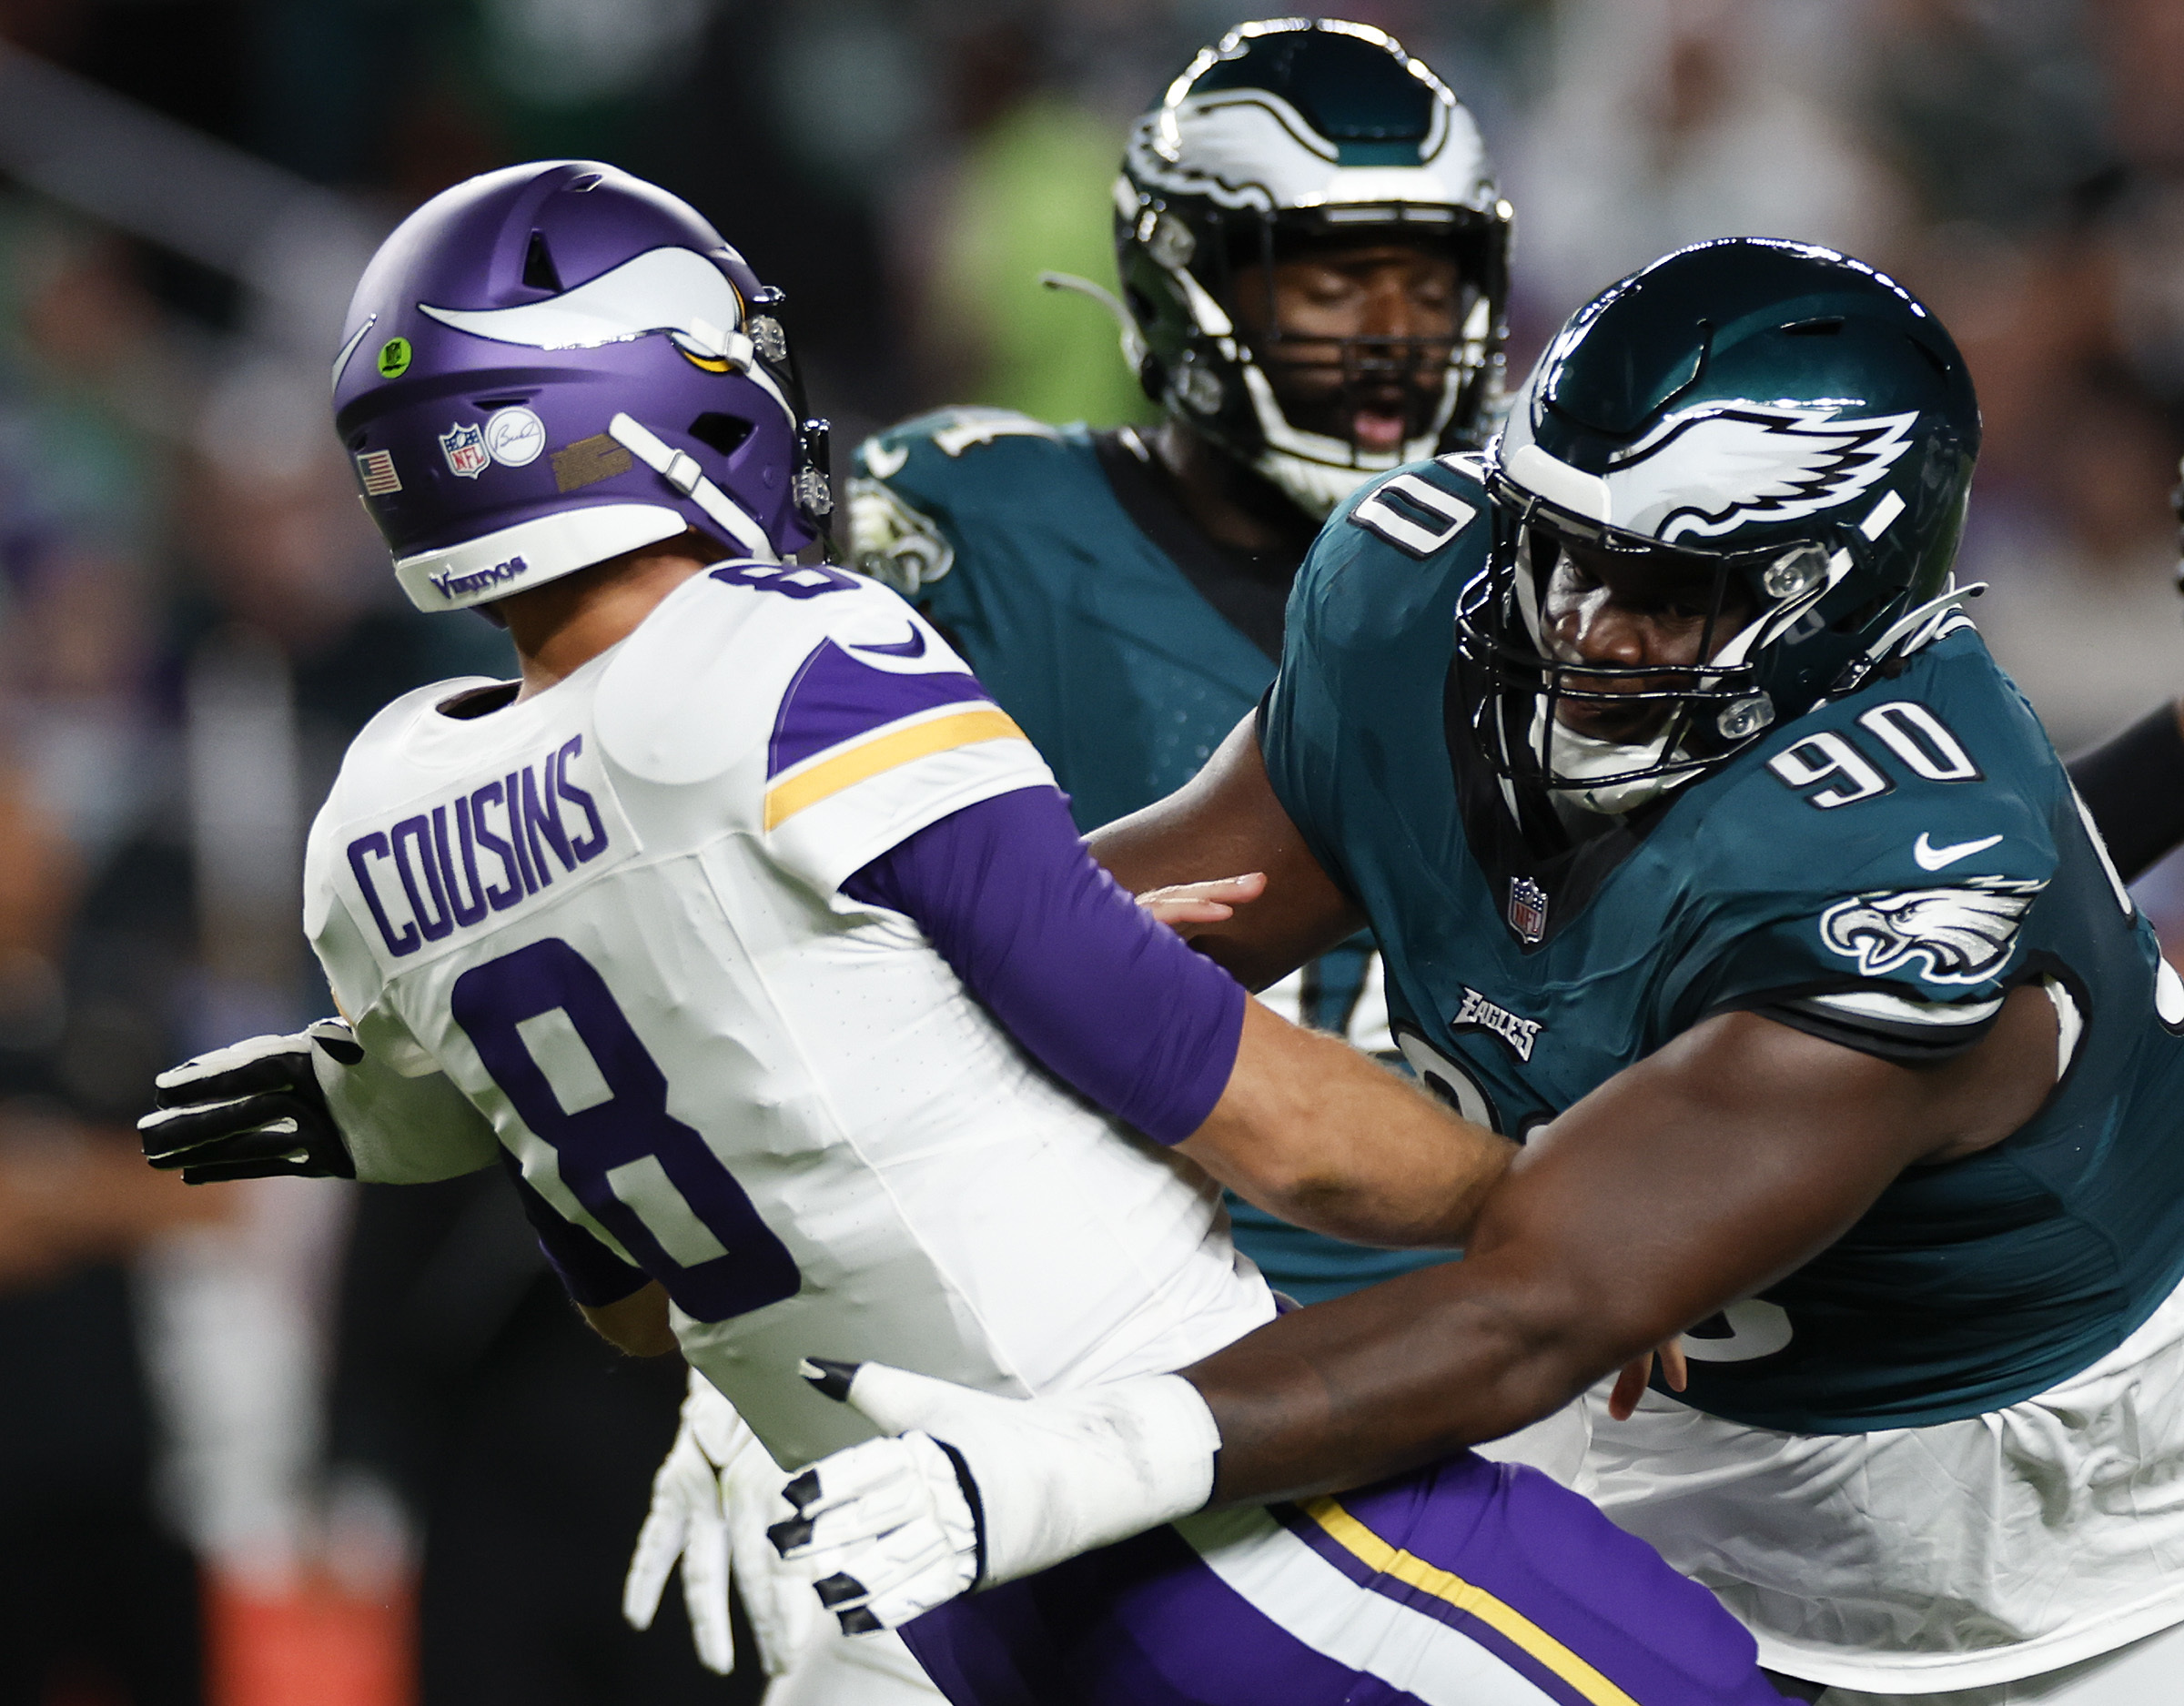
[609,913]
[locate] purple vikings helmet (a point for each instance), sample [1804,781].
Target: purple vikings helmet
[555,363]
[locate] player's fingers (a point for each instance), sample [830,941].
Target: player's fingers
[171,1131]
[891,1578]
[855,1496]
[1675,1373]
[1174,913]
[651,1560]
[895,1401]
[779,1604]
[260,1063]
[705,1594]
[1231,891]
[1630,1385]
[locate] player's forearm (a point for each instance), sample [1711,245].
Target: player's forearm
[1314,1132]
[1350,1392]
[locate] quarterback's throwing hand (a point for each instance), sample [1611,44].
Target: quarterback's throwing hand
[252,1110]
[976,1491]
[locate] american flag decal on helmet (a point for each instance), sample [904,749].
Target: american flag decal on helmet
[1526,908]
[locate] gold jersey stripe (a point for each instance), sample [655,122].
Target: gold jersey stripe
[1364,1545]
[966,728]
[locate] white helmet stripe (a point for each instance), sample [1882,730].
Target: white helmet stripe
[675,290]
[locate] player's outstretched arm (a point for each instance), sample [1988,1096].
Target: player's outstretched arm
[313,1106]
[1685,1182]
[1117,1007]
[1690,1180]
[1227,819]
[1325,1138]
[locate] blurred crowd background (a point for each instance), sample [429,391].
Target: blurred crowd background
[233,1421]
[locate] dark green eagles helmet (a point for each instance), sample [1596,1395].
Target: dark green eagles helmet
[1769,419]
[1291,133]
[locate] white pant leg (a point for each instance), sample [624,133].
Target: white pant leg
[838,1670]
[2147,1672]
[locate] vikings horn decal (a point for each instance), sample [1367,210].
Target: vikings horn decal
[672,290]
[1962,934]
[1710,469]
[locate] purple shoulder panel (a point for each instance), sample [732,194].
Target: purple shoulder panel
[834,698]
[1111,1002]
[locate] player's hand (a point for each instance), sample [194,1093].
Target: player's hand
[716,1492]
[976,1491]
[1631,1384]
[1181,906]
[252,1110]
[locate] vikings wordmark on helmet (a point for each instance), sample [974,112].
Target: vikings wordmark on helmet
[1961,933]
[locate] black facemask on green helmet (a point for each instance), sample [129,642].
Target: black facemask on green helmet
[1294,134]
[1785,434]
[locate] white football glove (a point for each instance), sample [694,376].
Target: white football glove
[311,1105]
[716,1492]
[976,1491]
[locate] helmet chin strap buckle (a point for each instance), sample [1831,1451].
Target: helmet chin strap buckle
[686,475]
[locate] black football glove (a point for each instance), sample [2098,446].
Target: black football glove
[253,1110]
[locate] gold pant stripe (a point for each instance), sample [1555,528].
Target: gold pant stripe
[1361,1544]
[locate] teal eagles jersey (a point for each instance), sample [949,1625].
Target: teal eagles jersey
[1880,871]
[1122,643]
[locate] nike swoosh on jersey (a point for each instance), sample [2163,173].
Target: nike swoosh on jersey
[914,647]
[1933,858]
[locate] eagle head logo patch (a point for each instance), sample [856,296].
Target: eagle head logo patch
[1963,934]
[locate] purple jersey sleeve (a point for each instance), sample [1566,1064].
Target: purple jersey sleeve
[1105,997]
[589,1272]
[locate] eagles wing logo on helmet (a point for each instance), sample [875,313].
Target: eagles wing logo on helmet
[1709,470]
[1962,933]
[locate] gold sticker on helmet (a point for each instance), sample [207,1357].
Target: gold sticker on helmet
[588,460]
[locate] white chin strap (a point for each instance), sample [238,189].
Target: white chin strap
[1573,759]
[680,469]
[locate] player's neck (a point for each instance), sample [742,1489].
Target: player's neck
[1231,505]
[561,626]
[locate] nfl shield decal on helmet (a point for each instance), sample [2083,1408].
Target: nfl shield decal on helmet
[463,444]
[1526,908]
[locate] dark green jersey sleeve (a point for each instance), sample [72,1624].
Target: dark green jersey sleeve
[1877,875]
